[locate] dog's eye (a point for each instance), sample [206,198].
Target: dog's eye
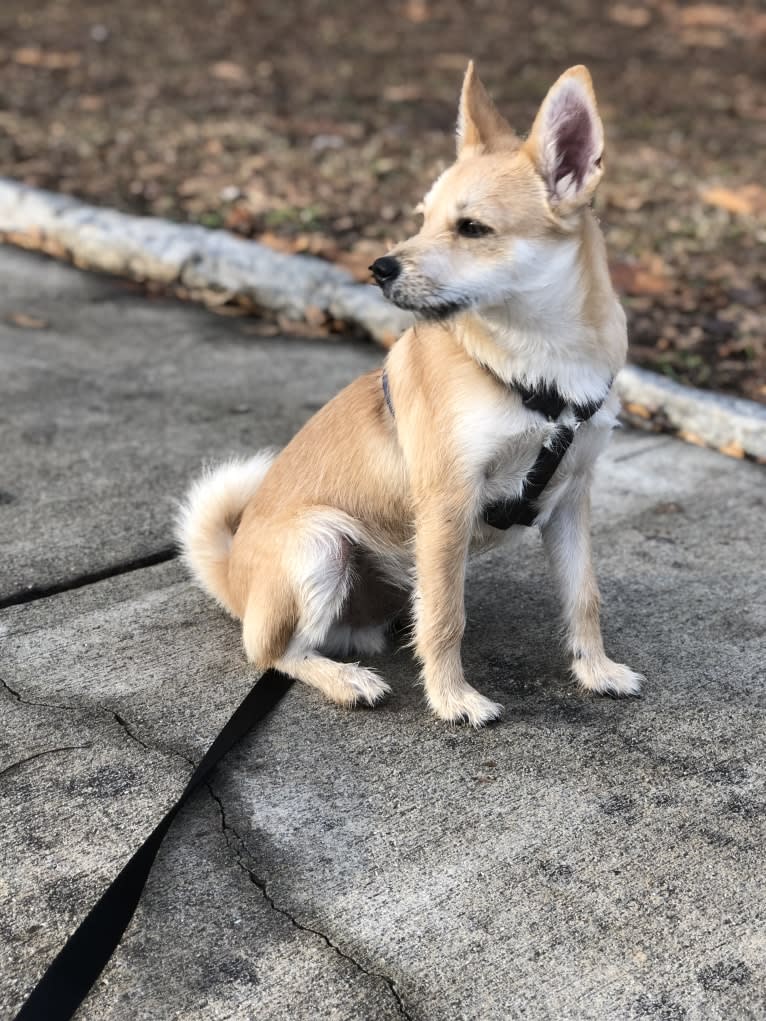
[472,228]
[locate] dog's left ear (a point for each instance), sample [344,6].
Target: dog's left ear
[566,142]
[479,124]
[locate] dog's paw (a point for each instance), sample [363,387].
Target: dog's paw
[465,705]
[606,677]
[362,686]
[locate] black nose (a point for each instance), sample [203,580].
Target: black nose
[386,269]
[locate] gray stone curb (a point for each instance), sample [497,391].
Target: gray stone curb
[730,424]
[185,255]
[299,287]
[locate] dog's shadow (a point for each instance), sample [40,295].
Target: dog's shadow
[512,650]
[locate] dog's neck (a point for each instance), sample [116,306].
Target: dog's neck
[561,323]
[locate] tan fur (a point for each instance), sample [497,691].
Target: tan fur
[363,512]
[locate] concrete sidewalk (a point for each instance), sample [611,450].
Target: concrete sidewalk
[585,858]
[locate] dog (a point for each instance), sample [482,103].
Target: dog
[377,502]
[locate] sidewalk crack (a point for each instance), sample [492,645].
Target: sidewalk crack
[227,829]
[35,592]
[104,710]
[39,755]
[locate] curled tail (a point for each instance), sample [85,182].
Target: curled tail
[209,517]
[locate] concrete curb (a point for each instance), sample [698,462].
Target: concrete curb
[303,287]
[185,255]
[730,425]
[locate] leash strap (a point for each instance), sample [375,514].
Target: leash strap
[81,960]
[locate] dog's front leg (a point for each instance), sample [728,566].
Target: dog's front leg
[442,534]
[566,537]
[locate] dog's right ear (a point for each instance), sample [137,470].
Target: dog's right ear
[479,125]
[566,142]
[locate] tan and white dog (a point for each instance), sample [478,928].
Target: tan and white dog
[378,500]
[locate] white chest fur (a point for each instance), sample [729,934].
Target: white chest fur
[499,440]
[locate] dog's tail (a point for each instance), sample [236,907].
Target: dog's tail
[209,516]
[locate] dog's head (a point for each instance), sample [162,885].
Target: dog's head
[490,219]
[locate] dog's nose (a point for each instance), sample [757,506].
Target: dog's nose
[385,269]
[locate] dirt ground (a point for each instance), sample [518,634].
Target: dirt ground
[318,127]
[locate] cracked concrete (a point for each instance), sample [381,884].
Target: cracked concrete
[99,400]
[584,859]
[39,755]
[261,885]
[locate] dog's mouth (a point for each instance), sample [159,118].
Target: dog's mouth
[443,311]
[430,309]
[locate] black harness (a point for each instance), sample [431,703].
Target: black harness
[548,402]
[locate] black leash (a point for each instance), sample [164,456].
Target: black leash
[81,960]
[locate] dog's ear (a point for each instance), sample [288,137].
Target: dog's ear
[566,142]
[479,125]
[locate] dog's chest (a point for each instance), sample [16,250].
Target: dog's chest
[500,444]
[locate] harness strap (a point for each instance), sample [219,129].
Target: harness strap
[81,960]
[547,401]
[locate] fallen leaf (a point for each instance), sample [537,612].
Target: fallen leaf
[705,38]
[631,15]
[637,409]
[416,11]
[749,200]
[228,71]
[314,315]
[691,437]
[51,60]
[299,327]
[733,449]
[635,280]
[706,16]
[211,297]
[402,93]
[90,102]
[26,321]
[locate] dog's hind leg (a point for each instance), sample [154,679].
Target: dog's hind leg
[288,629]
[344,683]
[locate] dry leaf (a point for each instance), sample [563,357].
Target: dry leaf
[637,409]
[635,280]
[228,71]
[416,11]
[750,200]
[51,60]
[706,16]
[211,297]
[90,102]
[402,93]
[314,315]
[733,449]
[631,15]
[26,321]
[298,327]
[691,437]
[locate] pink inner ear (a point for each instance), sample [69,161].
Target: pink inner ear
[574,139]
